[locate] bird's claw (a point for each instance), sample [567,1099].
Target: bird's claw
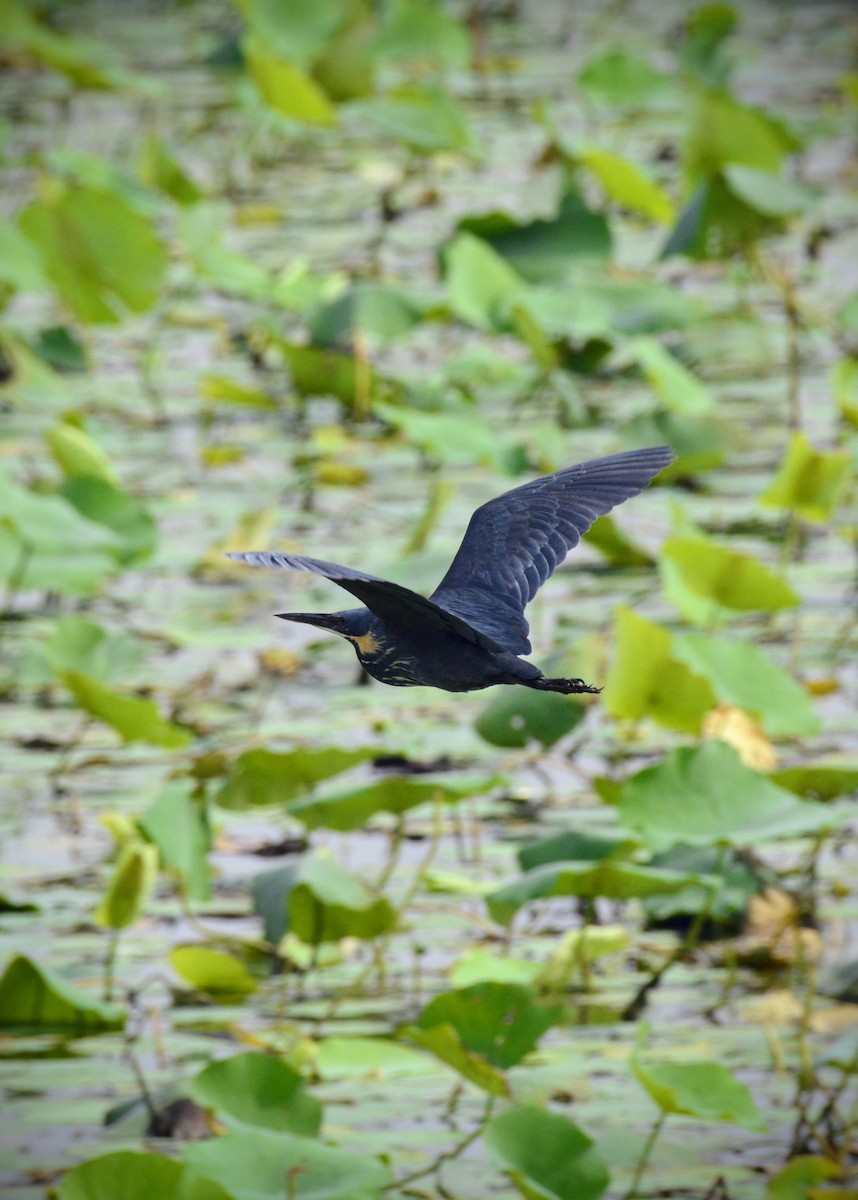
[567,687]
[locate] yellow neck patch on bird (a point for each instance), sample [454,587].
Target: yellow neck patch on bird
[366,643]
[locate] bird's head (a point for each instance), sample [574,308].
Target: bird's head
[351,623]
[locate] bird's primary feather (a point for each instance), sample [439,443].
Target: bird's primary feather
[515,541]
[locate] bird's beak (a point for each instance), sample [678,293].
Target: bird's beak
[329,621]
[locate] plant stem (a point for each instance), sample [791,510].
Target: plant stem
[448,1155]
[645,1156]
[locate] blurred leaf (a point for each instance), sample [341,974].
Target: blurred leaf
[732,884]
[627,185]
[327,903]
[809,481]
[222,390]
[297,32]
[213,972]
[725,578]
[75,644]
[444,1042]
[347,809]
[426,119]
[673,384]
[844,384]
[36,534]
[252,532]
[178,824]
[129,886]
[480,283]
[723,131]
[127,517]
[575,951]
[742,674]
[646,679]
[501,1022]
[620,551]
[254,1089]
[704,795]
[259,1164]
[129,1175]
[450,437]
[133,719]
[518,717]
[270,891]
[798,1179]
[767,193]
[20,262]
[102,255]
[583,845]
[26,379]
[201,228]
[76,453]
[481,966]
[706,30]
[700,442]
[822,781]
[610,878]
[83,60]
[544,250]
[34,996]
[262,777]
[616,77]
[380,312]
[545,1155]
[346,68]
[284,86]
[61,349]
[704,1090]
[321,371]
[420,31]
[160,170]
[378,1057]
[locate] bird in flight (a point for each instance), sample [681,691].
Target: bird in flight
[470,632]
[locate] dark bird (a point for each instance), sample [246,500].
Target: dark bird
[471,630]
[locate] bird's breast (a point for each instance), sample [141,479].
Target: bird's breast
[367,644]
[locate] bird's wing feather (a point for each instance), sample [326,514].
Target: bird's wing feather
[514,542]
[397,606]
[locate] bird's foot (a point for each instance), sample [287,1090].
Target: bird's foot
[567,687]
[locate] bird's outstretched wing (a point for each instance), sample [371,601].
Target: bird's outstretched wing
[397,606]
[514,542]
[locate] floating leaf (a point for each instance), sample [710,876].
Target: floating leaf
[673,384]
[627,184]
[133,719]
[262,777]
[258,1165]
[347,809]
[583,845]
[61,349]
[544,250]
[620,551]
[444,1042]
[21,267]
[705,795]
[129,886]
[76,644]
[76,453]
[617,77]
[285,87]
[214,972]
[327,903]
[610,878]
[724,131]
[450,437]
[742,674]
[769,194]
[481,966]
[346,1057]
[700,442]
[546,1155]
[221,390]
[366,309]
[426,119]
[822,781]
[480,283]
[101,253]
[299,32]
[177,823]
[419,31]
[321,371]
[129,1175]
[808,482]
[501,1022]
[798,1179]
[704,1090]
[255,1089]
[201,228]
[135,529]
[34,996]
[161,170]
[726,578]
[516,718]
[646,679]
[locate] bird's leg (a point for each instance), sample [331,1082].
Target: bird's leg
[568,687]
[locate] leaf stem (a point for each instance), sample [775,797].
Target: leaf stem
[645,1155]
